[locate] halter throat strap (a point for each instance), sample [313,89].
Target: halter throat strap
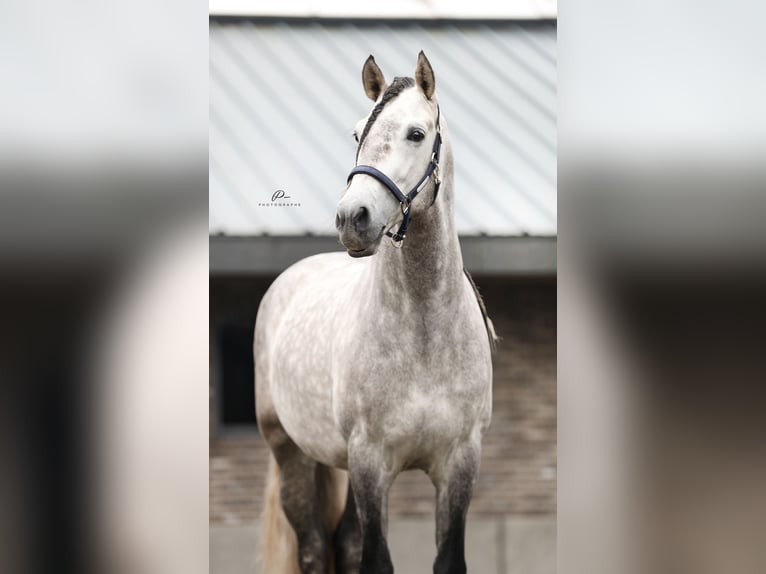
[405,200]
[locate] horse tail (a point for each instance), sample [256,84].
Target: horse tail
[278,543]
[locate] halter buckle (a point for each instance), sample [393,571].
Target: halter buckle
[436,176]
[405,206]
[397,240]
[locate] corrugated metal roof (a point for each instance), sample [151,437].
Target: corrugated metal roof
[284,97]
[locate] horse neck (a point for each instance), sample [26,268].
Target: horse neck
[428,267]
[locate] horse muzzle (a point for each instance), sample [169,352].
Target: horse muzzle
[358,234]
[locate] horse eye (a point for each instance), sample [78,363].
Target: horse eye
[416,136]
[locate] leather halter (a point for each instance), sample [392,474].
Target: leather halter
[405,201]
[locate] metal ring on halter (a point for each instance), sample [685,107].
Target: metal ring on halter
[405,206]
[397,242]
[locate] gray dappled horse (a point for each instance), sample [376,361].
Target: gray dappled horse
[376,363]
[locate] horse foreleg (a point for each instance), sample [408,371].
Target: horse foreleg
[348,539]
[454,480]
[370,483]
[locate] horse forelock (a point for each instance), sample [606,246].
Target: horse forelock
[398,85]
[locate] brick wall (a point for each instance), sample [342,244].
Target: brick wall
[518,473]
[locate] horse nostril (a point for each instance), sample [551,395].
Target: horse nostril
[339,221]
[361,219]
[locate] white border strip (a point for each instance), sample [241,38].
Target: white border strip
[437,9]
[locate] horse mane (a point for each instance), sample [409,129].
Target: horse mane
[399,84]
[491,335]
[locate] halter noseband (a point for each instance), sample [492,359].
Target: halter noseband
[405,201]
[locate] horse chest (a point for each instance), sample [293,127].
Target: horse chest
[415,428]
[415,386]
[414,410]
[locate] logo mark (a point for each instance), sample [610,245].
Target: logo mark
[279,194]
[278,199]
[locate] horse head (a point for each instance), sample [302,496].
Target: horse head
[398,148]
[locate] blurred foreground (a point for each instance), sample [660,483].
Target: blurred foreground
[662,276]
[103,288]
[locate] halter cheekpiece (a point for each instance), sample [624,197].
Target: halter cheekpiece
[405,201]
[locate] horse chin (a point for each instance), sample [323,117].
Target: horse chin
[363,252]
[370,249]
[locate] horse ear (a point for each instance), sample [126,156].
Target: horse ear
[372,79]
[424,75]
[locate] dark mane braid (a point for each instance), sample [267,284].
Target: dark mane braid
[397,86]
